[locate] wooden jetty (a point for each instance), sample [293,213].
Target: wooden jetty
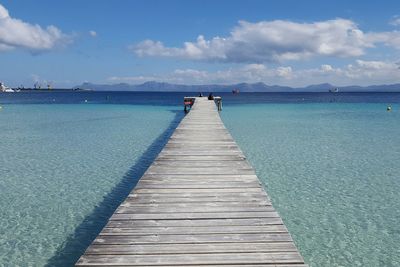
[199,204]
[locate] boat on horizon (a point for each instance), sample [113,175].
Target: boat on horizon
[5,89]
[334,90]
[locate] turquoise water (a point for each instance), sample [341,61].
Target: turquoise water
[333,173]
[63,170]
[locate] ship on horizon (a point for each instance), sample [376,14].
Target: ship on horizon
[5,89]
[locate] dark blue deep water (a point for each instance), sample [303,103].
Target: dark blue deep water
[175,98]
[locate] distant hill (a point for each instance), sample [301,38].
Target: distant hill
[243,87]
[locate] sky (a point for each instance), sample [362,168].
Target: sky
[294,43]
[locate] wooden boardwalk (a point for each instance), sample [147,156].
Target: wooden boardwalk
[199,204]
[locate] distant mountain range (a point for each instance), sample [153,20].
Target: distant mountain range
[243,87]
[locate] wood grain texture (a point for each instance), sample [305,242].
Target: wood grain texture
[199,204]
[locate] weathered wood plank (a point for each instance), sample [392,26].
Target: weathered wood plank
[202,265]
[192,249]
[194,215]
[196,185]
[204,194]
[200,157]
[181,230]
[146,199]
[199,190]
[190,239]
[195,223]
[239,177]
[196,265]
[210,162]
[161,209]
[175,260]
[215,171]
[201,142]
[184,179]
[204,205]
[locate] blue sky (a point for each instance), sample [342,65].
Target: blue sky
[292,43]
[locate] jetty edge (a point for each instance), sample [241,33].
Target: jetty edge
[200,203]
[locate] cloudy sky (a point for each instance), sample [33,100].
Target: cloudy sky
[293,43]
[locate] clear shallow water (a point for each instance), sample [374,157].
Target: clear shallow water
[333,173]
[64,169]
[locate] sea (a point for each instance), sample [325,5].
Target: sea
[330,162]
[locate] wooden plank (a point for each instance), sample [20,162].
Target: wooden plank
[202,265]
[199,176]
[182,230]
[204,194]
[212,170]
[155,249]
[195,223]
[204,143]
[203,205]
[146,199]
[199,204]
[203,163]
[200,259]
[194,215]
[198,190]
[200,151]
[215,171]
[195,265]
[190,239]
[196,185]
[200,157]
[180,180]
[161,209]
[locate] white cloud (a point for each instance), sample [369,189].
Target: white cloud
[285,72]
[379,71]
[388,38]
[360,72]
[277,40]
[133,79]
[93,33]
[3,12]
[395,21]
[326,68]
[15,33]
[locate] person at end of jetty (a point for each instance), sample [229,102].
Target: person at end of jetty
[210,96]
[200,94]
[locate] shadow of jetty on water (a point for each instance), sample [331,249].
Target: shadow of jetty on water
[86,232]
